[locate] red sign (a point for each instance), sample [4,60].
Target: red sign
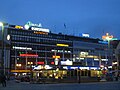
[29,55]
[52,63]
[40,63]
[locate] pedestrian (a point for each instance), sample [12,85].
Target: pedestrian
[3,80]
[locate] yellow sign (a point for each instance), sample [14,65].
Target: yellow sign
[20,71]
[63,45]
[55,56]
[18,27]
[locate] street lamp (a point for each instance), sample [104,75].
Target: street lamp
[2,25]
[108,38]
[2,54]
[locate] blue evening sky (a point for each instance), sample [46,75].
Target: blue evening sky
[95,17]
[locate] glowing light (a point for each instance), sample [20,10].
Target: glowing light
[52,62]
[67,62]
[36,32]
[24,48]
[107,37]
[1,24]
[63,45]
[30,63]
[18,27]
[18,65]
[40,63]
[40,29]
[85,35]
[20,70]
[8,37]
[55,56]
[27,27]
[29,55]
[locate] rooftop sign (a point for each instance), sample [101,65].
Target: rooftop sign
[30,24]
[35,27]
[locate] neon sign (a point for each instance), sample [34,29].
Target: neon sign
[30,24]
[39,29]
[107,37]
[18,27]
[68,62]
[36,32]
[35,27]
[63,45]
[23,48]
[52,62]
[85,35]
[29,55]
[40,63]
[55,56]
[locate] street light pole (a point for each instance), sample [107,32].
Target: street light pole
[2,62]
[108,38]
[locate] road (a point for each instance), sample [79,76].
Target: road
[11,85]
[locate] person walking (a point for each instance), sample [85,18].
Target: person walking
[3,80]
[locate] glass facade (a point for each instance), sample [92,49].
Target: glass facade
[30,48]
[37,43]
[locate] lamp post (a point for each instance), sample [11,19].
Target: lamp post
[108,38]
[2,25]
[2,54]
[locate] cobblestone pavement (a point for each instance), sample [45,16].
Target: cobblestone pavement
[12,85]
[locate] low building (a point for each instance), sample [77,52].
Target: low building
[31,46]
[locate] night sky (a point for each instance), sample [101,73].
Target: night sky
[73,17]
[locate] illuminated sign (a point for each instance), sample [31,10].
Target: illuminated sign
[29,55]
[104,59]
[67,62]
[96,59]
[42,67]
[20,70]
[66,51]
[30,24]
[85,35]
[63,45]
[35,27]
[107,37]
[40,32]
[39,29]
[95,68]
[55,56]
[84,68]
[52,62]
[48,67]
[40,63]
[79,67]
[18,27]
[24,48]
[83,53]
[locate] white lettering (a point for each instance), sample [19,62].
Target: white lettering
[14,47]
[40,29]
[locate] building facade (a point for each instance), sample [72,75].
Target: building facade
[31,46]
